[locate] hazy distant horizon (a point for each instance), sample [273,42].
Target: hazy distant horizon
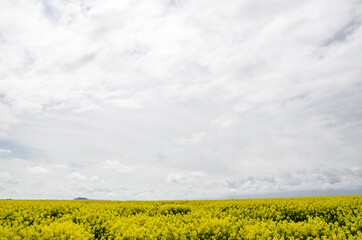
[180,99]
[315,193]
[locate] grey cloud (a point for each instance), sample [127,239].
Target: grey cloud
[344,33]
[356,171]
[78,63]
[6,177]
[296,181]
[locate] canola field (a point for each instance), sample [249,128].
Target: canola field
[284,218]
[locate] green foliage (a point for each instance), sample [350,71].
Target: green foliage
[288,218]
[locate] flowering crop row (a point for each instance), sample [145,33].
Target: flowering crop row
[284,218]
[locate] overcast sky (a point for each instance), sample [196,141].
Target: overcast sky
[180,99]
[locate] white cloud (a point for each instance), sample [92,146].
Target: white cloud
[195,138]
[5,150]
[6,177]
[7,119]
[232,88]
[38,170]
[94,179]
[117,166]
[185,177]
[76,176]
[60,166]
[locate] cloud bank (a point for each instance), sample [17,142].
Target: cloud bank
[169,99]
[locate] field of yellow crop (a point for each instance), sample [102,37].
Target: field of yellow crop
[285,218]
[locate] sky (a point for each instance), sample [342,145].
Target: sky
[180,99]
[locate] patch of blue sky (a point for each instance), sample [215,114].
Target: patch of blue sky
[16,150]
